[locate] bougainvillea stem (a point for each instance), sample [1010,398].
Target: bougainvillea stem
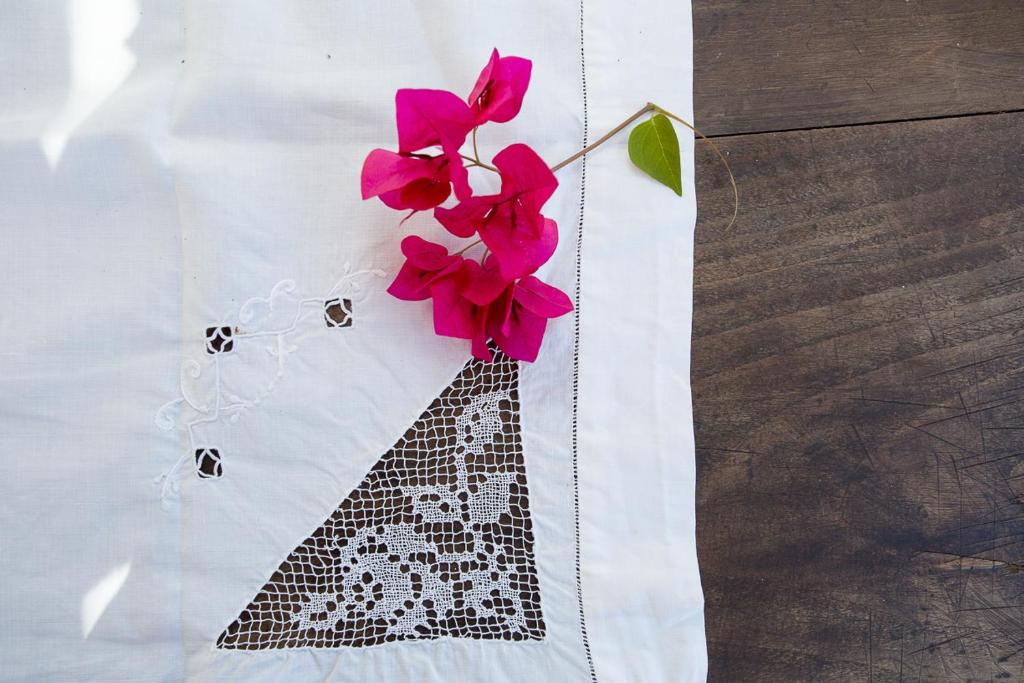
[477,162]
[649,108]
[468,247]
[604,138]
[732,178]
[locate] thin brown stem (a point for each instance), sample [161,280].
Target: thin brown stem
[604,138]
[467,248]
[477,162]
[732,178]
[651,107]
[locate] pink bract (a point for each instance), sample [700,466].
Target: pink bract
[525,309]
[435,117]
[476,303]
[500,88]
[510,223]
[406,182]
[426,263]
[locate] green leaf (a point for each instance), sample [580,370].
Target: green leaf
[654,149]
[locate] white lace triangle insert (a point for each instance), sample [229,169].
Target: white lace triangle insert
[435,542]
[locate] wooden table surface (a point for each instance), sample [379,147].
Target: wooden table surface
[858,350]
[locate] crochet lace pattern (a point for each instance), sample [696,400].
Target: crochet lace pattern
[435,542]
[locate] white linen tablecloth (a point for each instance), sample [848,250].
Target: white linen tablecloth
[176,175]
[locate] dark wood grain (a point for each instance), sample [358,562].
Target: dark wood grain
[858,378]
[767,66]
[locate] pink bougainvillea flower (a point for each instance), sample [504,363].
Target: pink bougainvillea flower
[404,182]
[519,252]
[463,303]
[476,303]
[457,316]
[435,117]
[523,313]
[426,263]
[498,93]
[497,299]
[510,222]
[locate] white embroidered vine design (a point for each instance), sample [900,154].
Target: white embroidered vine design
[197,406]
